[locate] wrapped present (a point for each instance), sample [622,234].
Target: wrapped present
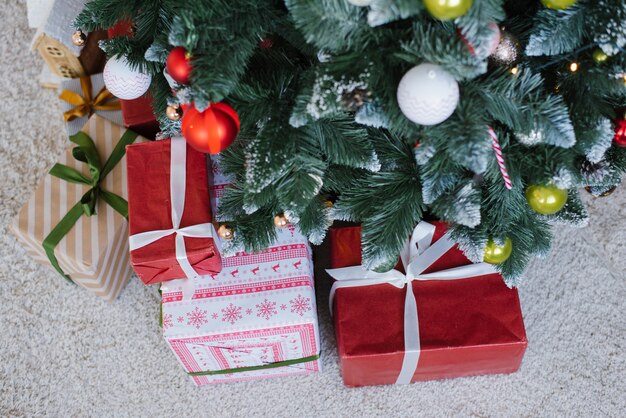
[218,182]
[139,116]
[444,317]
[84,96]
[255,319]
[171,234]
[76,219]
[49,80]
[121,28]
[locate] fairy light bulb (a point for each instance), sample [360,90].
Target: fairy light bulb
[573,67]
[514,70]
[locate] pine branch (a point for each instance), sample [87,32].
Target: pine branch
[331,25]
[557,31]
[290,69]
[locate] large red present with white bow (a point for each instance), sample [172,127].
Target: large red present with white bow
[171,234]
[444,317]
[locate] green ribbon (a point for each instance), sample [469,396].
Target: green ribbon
[87,153]
[261,367]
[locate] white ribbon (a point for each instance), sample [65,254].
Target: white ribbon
[178,177]
[417,255]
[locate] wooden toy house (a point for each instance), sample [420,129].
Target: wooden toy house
[53,41]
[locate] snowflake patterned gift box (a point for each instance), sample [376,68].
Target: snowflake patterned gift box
[255,319]
[76,221]
[444,317]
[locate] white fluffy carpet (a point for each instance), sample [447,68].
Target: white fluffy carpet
[63,352]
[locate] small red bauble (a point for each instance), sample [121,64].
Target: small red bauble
[266,43]
[211,131]
[178,65]
[620,133]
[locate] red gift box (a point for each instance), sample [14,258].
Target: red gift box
[138,113]
[155,197]
[121,28]
[467,326]
[139,116]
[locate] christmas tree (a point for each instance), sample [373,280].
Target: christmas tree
[488,114]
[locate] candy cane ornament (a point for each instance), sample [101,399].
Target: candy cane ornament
[498,151]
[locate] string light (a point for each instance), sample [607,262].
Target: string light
[560,59]
[514,70]
[573,67]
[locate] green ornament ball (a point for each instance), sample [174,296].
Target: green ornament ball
[546,199]
[599,56]
[495,254]
[558,4]
[447,9]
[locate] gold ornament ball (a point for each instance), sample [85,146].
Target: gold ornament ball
[447,9]
[495,254]
[280,221]
[599,57]
[558,4]
[546,199]
[173,113]
[79,38]
[225,232]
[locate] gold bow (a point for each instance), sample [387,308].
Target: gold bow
[85,106]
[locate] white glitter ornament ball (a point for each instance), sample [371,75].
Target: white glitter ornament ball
[124,82]
[360,3]
[428,94]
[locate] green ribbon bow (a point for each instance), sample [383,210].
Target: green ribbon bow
[263,366]
[87,153]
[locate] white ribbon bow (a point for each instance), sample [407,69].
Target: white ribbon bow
[417,255]
[178,177]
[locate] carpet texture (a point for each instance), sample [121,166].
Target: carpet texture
[65,353]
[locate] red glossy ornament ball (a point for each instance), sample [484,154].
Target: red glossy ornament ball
[211,131]
[178,65]
[620,133]
[266,43]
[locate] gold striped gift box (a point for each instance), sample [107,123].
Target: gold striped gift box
[95,251]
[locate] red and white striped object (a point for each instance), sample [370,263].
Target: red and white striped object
[496,149]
